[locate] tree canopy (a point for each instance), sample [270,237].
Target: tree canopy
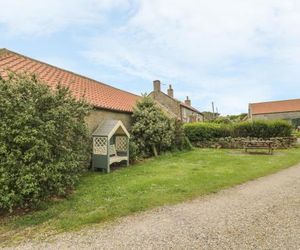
[152,131]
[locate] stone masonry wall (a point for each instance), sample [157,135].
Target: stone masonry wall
[238,143]
[167,102]
[98,115]
[191,116]
[277,116]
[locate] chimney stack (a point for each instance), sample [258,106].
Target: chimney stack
[170,91]
[187,101]
[156,86]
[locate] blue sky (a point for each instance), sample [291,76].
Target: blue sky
[231,52]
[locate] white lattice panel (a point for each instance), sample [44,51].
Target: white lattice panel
[121,143]
[100,145]
[112,150]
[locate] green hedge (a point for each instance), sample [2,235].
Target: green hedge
[261,129]
[297,134]
[44,141]
[205,131]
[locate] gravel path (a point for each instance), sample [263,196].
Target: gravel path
[261,214]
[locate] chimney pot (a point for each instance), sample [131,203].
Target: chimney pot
[170,91]
[188,101]
[156,85]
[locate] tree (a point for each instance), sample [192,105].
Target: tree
[43,141]
[210,116]
[152,131]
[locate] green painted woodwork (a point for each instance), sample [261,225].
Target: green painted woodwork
[108,131]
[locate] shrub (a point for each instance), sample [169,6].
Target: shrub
[43,141]
[187,144]
[296,133]
[181,142]
[152,131]
[281,128]
[222,120]
[261,129]
[133,152]
[251,129]
[206,131]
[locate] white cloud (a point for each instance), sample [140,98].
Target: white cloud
[231,52]
[31,17]
[226,51]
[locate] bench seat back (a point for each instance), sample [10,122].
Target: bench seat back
[112,150]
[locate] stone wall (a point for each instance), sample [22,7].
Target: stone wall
[238,143]
[190,116]
[99,115]
[277,116]
[174,106]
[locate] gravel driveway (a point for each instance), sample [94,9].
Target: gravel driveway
[261,214]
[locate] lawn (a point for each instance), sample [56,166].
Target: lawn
[168,179]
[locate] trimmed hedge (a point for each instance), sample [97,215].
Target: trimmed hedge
[261,129]
[205,131]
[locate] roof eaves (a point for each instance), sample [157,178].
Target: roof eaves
[276,112]
[190,107]
[112,109]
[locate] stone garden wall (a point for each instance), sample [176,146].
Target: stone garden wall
[238,143]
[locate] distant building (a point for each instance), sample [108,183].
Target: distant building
[181,110]
[286,110]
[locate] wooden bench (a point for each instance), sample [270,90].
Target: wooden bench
[261,144]
[114,157]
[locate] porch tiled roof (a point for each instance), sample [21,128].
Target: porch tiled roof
[96,93]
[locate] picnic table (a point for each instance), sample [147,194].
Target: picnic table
[259,144]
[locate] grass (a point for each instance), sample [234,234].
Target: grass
[168,179]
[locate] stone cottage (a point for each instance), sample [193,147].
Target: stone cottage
[108,103]
[286,110]
[183,111]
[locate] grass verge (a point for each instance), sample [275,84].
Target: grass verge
[168,179]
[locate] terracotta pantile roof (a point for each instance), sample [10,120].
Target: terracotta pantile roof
[275,107]
[95,93]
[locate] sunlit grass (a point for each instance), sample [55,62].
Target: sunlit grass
[168,179]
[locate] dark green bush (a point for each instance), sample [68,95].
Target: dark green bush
[152,131]
[296,133]
[43,141]
[281,129]
[181,142]
[252,129]
[261,129]
[206,131]
[133,152]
